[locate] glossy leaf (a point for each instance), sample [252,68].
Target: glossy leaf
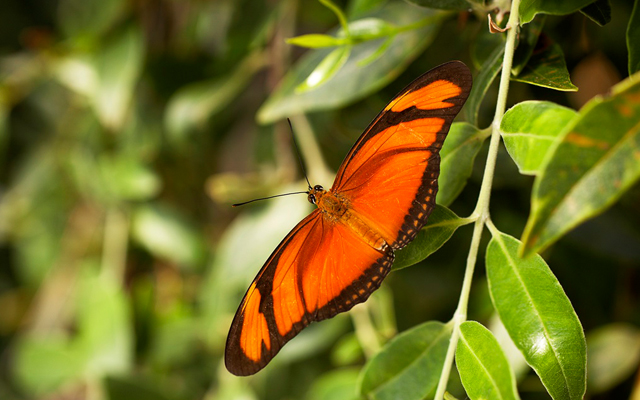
[409,366]
[592,165]
[538,316]
[530,128]
[457,157]
[599,12]
[633,39]
[481,83]
[352,81]
[529,8]
[547,68]
[614,355]
[440,227]
[460,5]
[482,365]
[326,69]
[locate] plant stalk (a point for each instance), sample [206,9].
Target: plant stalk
[481,212]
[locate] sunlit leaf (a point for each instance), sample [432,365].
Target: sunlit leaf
[314,41]
[538,316]
[458,154]
[44,364]
[352,81]
[530,128]
[529,8]
[547,68]
[482,365]
[440,227]
[613,354]
[633,39]
[592,165]
[409,366]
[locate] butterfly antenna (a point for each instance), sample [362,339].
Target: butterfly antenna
[266,198]
[293,137]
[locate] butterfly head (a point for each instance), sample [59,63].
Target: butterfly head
[315,194]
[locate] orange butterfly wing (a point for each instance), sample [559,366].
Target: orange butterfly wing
[320,269]
[390,176]
[326,265]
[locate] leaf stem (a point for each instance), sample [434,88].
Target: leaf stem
[482,207]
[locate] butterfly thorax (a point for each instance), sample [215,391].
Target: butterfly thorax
[336,209]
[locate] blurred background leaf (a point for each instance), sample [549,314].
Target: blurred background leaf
[128,128]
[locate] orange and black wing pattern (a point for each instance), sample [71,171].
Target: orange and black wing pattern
[390,176]
[319,270]
[339,254]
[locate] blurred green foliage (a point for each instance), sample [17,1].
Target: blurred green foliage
[128,128]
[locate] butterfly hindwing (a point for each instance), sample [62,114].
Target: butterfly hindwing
[320,269]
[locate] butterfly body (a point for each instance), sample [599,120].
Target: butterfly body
[339,254]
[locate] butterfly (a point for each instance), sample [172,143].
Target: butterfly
[339,254]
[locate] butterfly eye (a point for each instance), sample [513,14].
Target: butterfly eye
[318,187]
[312,199]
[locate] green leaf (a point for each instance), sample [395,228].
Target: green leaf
[104,331]
[633,39]
[127,178]
[530,128]
[192,105]
[314,41]
[326,69]
[352,81]
[613,354]
[599,12]
[460,5]
[589,168]
[409,366]
[458,154]
[439,229]
[538,316]
[527,40]
[135,388]
[43,364]
[356,8]
[81,18]
[529,8]
[166,234]
[481,83]
[118,65]
[483,366]
[340,384]
[547,68]
[369,28]
[483,45]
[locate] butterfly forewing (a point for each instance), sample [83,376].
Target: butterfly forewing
[329,262]
[390,175]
